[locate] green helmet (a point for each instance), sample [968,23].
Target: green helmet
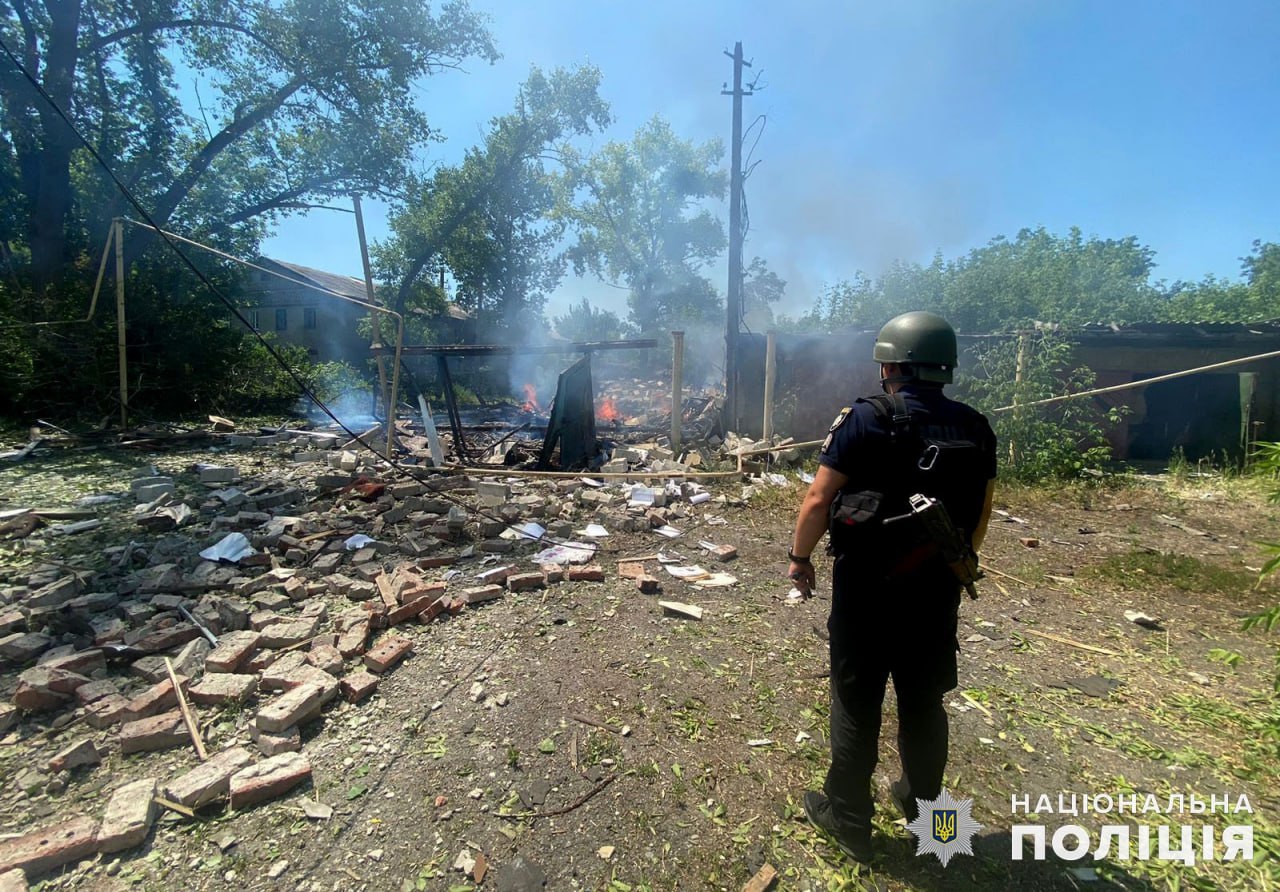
[924,341]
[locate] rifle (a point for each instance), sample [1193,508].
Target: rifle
[935,523]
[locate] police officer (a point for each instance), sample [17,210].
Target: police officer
[893,614]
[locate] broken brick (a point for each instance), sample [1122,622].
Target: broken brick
[325,656]
[232,650]
[209,780]
[51,847]
[270,778]
[158,732]
[79,754]
[106,711]
[589,573]
[525,581]
[129,816]
[358,685]
[219,688]
[276,676]
[272,743]
[352,642]
[290,708]
[154,700]
[389,651]
[480,594]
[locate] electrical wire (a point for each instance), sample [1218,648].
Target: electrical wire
[302,384]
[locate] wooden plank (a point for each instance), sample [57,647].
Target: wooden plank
[193,727]
[689,611]
[763,879]
[1061,639]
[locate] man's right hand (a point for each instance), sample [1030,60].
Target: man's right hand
[802,574]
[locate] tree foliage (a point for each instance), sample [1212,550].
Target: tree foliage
[584,323]
[1042,443]
[301,100]
[220,117]
[1041,277]
[761,289]
[488,220]
[642,222]
[1006,285]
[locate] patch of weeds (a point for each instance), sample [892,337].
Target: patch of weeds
[435,746]
[1142,570]
[600,745]
[513,758]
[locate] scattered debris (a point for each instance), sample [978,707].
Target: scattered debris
[1139,618]
[676,608]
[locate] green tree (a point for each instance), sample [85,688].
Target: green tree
[642,223]
[1059,441]
[1255,299]
[761,289]
[489,220]
[1007,285]
[584,323]
[301,100]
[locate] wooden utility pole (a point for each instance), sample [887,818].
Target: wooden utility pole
[733,306]
[375,323]
[677,389]
[117,232]
[770,374]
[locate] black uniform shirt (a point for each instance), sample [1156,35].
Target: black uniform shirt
[859,447]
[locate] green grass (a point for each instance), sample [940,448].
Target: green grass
[1136,570]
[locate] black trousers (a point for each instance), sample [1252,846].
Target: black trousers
[904,629]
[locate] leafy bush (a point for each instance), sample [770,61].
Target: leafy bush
[1060,441]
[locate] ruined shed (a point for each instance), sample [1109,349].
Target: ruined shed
[1206,415]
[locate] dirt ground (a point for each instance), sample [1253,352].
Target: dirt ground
[635,750]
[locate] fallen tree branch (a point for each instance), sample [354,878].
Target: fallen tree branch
[577,803]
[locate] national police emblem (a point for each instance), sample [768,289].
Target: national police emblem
[944,827]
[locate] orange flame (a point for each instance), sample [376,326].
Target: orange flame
[530,399]
[607,411]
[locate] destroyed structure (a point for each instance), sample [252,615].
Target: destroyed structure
[263,601]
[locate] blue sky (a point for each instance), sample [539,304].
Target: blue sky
[895,129]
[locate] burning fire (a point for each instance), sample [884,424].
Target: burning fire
[607,411]
[530,399]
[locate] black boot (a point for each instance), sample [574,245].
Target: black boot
[900,790]
[854,842]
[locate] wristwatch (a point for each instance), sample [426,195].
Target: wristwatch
[796,559]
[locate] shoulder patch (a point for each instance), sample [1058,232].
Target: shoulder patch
[840,419]
[835,426]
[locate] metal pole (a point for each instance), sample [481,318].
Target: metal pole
[770,373]
[375,324]
[117,231]
[677,389]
